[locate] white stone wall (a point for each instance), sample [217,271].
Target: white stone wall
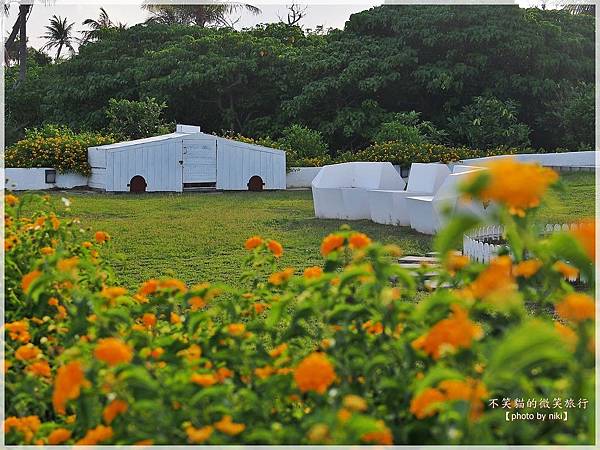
[22,179]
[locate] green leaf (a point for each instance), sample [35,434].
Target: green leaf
[451,237]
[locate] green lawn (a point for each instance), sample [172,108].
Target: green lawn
[200,237]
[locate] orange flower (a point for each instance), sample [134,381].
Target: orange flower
[174,318]
[196,303]
[173,283]
[236,329]
[113,292]
[204,379]
[67,264]
[27,352]
[113,409]
[495,279]
[47,251]
[448,335]
[276,248]
[227,426]
[259,308]
[314,373]
[95,436]
[586,235]
[55,222]
[519,186]
[373,328]
[383,436]
[18,331]
[86,244]
[58,436]
[264,372]
[113,351]
[576,308]
[192,353]
[157,352]
[455,262]
[28,279]
[278,278]
[567,334]
[40,369]
[331,243]
[149,320]
[426,403]
[223,373]
[359,240]
[253,242]
[565,269]
[313,272]
[27,426]
[354,403]
[278,351]
[199,435]
[148,287]
[527,269]
[101,237]
[11,200]
[468,390]
[67,385]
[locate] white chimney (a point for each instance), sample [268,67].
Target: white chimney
[187,129]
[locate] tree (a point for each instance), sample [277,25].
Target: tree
[199,15]
[59,36]
[96,26]
[19,29]
[295,14]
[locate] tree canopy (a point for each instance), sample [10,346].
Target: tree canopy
[431,59]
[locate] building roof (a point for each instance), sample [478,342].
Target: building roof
[149,140]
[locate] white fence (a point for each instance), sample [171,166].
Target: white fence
[477,249]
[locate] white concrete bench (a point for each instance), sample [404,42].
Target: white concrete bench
[390,207]
[428,213]
[340,191]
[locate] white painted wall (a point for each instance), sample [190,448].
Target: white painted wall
[20,179]
[568,159]
[70,180]
[24,179]
[237,162]
[301,177]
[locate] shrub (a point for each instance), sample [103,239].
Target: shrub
[408,128]
[571,118]
[293,159]
[406,154]
[303,142]
[334,354]
[489,122]
[57,147]
[130,119]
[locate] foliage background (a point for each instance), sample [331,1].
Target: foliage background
[434,60]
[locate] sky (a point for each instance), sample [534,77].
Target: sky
[332,15]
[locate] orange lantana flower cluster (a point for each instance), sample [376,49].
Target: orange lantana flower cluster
[314,373]
[519,186]
[449,335]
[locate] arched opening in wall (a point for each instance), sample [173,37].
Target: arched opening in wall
[137,184]
[256,184]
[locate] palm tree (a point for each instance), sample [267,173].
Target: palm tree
[59,35]
[102,23]
[199,15]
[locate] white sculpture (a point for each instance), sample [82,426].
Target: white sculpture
[340,191]
[428,212]
[390,206]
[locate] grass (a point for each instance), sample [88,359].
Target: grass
[199,237]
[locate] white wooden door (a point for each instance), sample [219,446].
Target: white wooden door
[199,161]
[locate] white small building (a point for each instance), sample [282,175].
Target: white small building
[184,160]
